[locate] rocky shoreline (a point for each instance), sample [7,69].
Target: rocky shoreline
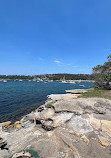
[64,127]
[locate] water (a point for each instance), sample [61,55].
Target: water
[19,98]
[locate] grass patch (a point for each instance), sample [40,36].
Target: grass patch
[49,105]
[96,93]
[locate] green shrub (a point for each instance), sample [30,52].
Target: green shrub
[49,105]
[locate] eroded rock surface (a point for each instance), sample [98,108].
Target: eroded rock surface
[71,128]
[76,91]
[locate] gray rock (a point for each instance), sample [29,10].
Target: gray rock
[56,121]
[3,143]
[80,125]
[4,154]
[68,106]
[76,91]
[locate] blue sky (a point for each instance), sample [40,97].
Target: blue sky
[53,36]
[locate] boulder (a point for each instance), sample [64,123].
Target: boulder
[106,127]
[17,124]
[5,124]
[45,114]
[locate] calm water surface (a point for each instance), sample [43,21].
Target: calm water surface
[19,98]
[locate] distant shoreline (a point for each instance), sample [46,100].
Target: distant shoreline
[54,77]
[49,80]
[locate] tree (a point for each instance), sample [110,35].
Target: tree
[102,75]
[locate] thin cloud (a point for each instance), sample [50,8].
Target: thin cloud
[57,61]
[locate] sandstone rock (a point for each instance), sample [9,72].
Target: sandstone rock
[22,154]
[106,126]
[41,108]
[95,122]
[62,118]
[47,148]
[2,142]
[69,143]
[27,120]
[68,106]
[4,154]
[85,139]
[56,121]
[77,134]
[87,105]
[45,114]
[104,141]
[57,97]
[5,124]
[56,146]
[76,91]
[17,124]
[80,125]
[0,129]
[48,124]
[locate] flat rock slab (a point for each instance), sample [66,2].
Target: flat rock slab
[80,125]
[56,97]
[84,105]
[52,146]
[76,91]
[4,154]
[69,106]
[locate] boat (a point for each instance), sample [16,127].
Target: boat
[4,80]
[63,80]
[50,80]
[81,85]
[20,80]
[73,82]
[33,80]
[79,81]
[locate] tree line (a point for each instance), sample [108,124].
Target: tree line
[14,77]
[51,77]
